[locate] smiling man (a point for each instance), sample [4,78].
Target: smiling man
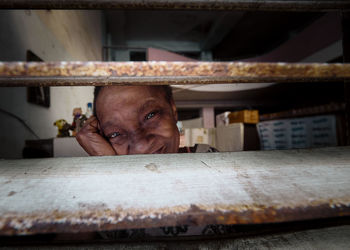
[136,120]
[131,120]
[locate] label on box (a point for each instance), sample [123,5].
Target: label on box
[309,132]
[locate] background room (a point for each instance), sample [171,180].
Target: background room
[229,117]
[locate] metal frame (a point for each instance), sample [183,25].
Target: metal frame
[164,73]
[256,5]
[92,217]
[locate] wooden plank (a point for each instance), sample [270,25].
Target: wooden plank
[140,191]
[164,73]
[250,5]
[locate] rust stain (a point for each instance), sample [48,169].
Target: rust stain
[153,167]
[163,73]
[11,193]
[98,217]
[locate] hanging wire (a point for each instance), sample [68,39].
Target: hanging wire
[21,121]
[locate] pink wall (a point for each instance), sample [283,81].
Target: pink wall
[319,35]
[163,55]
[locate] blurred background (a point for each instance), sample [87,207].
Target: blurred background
[231,117]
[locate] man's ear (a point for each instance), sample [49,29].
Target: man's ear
[173,108]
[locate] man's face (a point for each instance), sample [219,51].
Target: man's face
[138,119]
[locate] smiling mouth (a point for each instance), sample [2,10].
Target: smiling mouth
[160,150]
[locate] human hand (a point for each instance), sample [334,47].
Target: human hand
[91,140]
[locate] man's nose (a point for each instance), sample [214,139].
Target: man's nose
[141,143]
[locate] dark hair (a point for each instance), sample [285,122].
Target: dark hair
[166,88]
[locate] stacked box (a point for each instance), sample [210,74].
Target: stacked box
[237,137]
[222,119]
[244,116]
[310,132]
[199,136]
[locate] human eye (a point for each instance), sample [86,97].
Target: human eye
[151,115]
[114,135]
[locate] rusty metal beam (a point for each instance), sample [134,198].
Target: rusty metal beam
[249,5]
[144,191]
[164,73]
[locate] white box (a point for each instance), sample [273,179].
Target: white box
[199,136]
[230,138]
[309,132]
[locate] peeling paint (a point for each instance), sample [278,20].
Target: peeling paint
[152,167]
[11,193]
[92,220]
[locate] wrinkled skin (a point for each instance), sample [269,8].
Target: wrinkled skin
[131,120]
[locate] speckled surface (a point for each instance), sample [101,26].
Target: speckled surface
[105,193]
[164,73]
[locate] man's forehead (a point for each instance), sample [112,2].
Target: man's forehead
[125,103]
[132,90]
[127,95]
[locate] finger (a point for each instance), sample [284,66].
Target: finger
[91,120]
[91,124]
[95,144]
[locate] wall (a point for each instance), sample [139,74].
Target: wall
[52,36]
[78,31]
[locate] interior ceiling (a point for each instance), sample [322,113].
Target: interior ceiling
[276,97]
[229,35]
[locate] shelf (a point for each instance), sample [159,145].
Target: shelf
[164,73]
[250,5]
[142,191]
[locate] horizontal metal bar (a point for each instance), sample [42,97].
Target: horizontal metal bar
[145,191]
[249,5]
[164,73]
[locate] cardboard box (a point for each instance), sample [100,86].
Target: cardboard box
[244,116]
[199,136]
[237,137]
